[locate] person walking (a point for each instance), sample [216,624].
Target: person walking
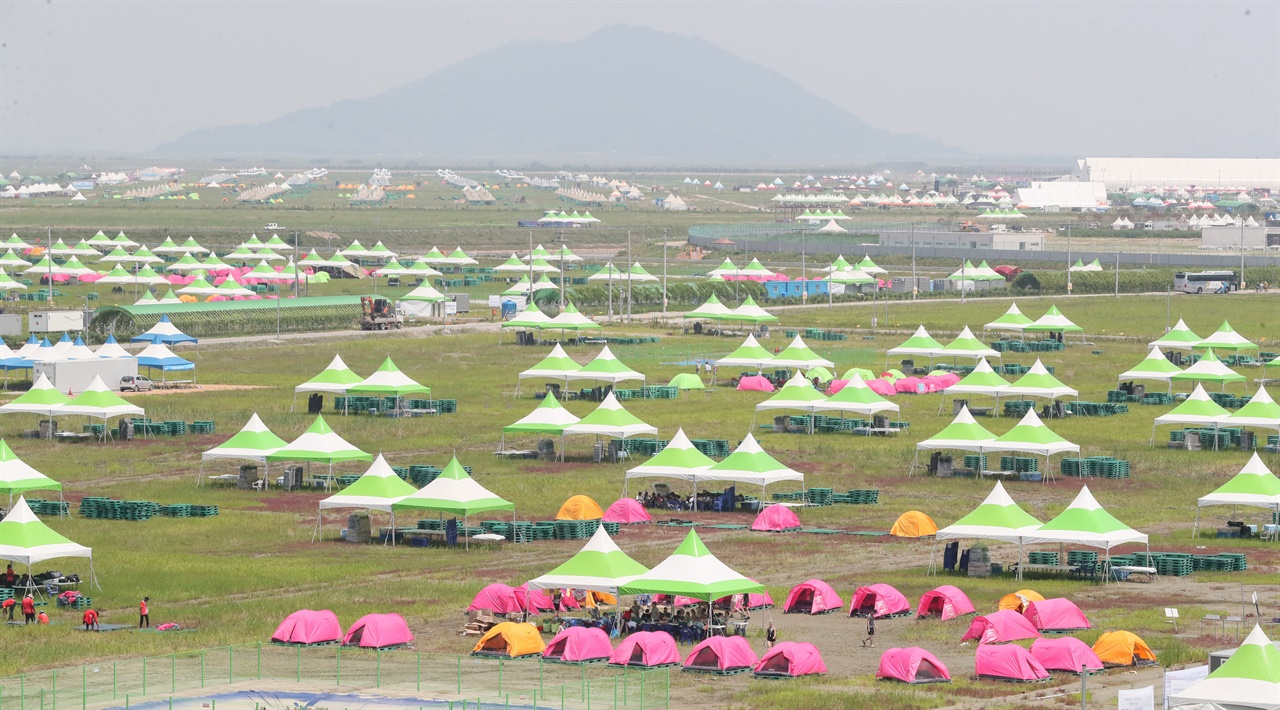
[770,636]
[29,608]
[144,617]
[870,640]
[90,619]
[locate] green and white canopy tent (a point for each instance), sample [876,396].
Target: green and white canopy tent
[867,266]
[9,259]
[376,489]
[1086,522]
[609,419]
[1248,680]
[600,566]
[1255,485]
[839,264]
[692,571]
[1209,369]
[556,366]
[749,354]
[389,381]
[983,380]
[1038,382]
[725,269]
[392,268]
[752,465]
[1053,322]
[679,460]
[1226,338]
[798,393]
[1197,409]
[254,442]
[966,272]
[459,258]
[191,246]
[538,252]
[608,273]
[7,282]
[605,368]
[997,518]
[25,540]
[424,294]
[549,417]
[856,398]
[1155,367]
[920,343]
[965,345]
[334,379]
[1180,337]
[43,399]
[435,256]
[755,268]
[713,309]
[512,264]
[798,355]
[1261,411]
[964,433]
[749,312]
[531,318]
[565,254]
[571,319]
[98,402]
[638,274]
[16,476]
[319,444]
[1031,436]
[454,492]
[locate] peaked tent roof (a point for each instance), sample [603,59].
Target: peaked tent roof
[997,517]
[605,368]
[1180,337]
[1054,321]
[868,266]
[1254,485]
[1038,382]
[530,317]
[1209,369]
[856,396]
[571,319]
[26,540]
[711,310]
[799,356]
[554,366]
[750,464]
[320,444]
[600,566]
[43,398]
[165,332]
[1086,522]
[965,345]
[920,343]
[797,393]
[16,476]
[1031,436]
[453,491]
[749,354]
[1250,678]
[983,380]
[253,442]
[1154,367]
[964,433]
[1226,338]
[680,459]
[691,571]
[610,419]
[98,401]
[334,378]
[389,380]
[749,312]
[376,489]
[549,417]
[1261,411]
[1198,408]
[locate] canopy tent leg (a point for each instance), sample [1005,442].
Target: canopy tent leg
[1195,529]
[318,530]
[933,554]
[200,474]
[914,461]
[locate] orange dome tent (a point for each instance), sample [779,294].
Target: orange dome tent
[510,640]
[1123,648]
[913,523]
[580,507]
[1019,599]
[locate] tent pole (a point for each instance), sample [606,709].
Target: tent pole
[933,553]
[1195,529]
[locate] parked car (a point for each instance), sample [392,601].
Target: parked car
[135,383]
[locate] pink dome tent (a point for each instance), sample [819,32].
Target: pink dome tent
[790,659]
[627,511]
[1008,662]
[945,602]
[755,383]
[1001,627]
[578,644]
[308,628]
[1056,616]
[880,600]
[912,665]
[884,388]
[1065,654]
[721,654]
[754,601]
[812,597]
[776,518]
[536,601]
[498,598]
[646,649]
[379,631]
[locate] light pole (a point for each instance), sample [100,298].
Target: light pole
[1242,284]
[915,283]
[1068,260]
[664,273]
[628,275]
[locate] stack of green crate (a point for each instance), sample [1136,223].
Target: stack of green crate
[1082,557]
[204,427]
[818,496]
[786,496]
[866,496]
[422,475]
[204,511]
[1019,464]
[96,429]
[82,603]
[1072,467]
[641,446]
[6,593]
[1226,400]
[1167,564]
[800,421]
[521,532]
[176,510]
[571,529]
[544,530]
[446,406]
[344,481]
[139,510]
[713,448]
[51,508]
[1157,398]
[1018,407]
[175,428]
[433,524]
[660,392]
[611,528]
[401,471]
[977,462]
[1106,467]
[1042,558]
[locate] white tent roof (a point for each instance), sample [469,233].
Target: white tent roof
[756,466]
[379,469]
[56,545]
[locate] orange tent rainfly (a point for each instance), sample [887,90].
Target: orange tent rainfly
[1123,648]
[913,523]
[1018,600]
[510,640]
[580,508]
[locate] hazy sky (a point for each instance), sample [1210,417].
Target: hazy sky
[993,78]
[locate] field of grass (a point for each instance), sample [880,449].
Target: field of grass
[234,576]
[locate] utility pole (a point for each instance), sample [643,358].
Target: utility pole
[1242,284]
[915,283]
[804,284]
[529,296]
[48,254]
[1117,274]
[1068,259]
[628,275]
[664,273]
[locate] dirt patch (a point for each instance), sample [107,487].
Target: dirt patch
[199,388]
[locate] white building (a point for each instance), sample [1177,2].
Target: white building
[1053,196]
[1203,173]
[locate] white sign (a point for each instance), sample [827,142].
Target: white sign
[1177,681]
[1138,698]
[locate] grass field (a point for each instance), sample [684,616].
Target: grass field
[234,576]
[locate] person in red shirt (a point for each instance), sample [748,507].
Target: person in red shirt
[8,606]
[29,609]
[42,618]
[144,618]
[90,619]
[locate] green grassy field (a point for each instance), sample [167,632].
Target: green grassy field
[234,576]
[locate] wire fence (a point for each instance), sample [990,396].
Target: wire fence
[437,680]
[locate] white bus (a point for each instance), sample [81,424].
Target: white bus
[1205,281]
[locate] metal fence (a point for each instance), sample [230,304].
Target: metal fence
[438,680]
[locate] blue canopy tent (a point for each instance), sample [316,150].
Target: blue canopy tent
[157,356]
[164,332]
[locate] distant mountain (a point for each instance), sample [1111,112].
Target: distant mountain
[621,94]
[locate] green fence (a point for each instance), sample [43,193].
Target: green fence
[447,680]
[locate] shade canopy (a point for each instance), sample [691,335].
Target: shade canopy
[692,571]
[1208,369]
[1180,337]
[965,345]
[99,401]
[749,312]
[253,442]
[998,518]
[43,398]
[376,489]
[964,433]
[680,459]
[530,317]
[982,380]
[713,309]
[1053,321]
[1261,411]
[611,419]
[1086,522]
[1254,485]
[549,417]
[600,566]
[604,368]
[750,464]
[24,539]
[1154,367]
[1038,382]
[1031,436]
[319,444]
[1197,408]
[798,355]
[856,397]
[1226,338]
[749,354]
[18,477]
[920,343]
[1248,680]
[1011,320]
[556,366]
[163,332]
[797,393]
[453,492]
[335,378]
[571,319]
[388,380]
[159,356]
